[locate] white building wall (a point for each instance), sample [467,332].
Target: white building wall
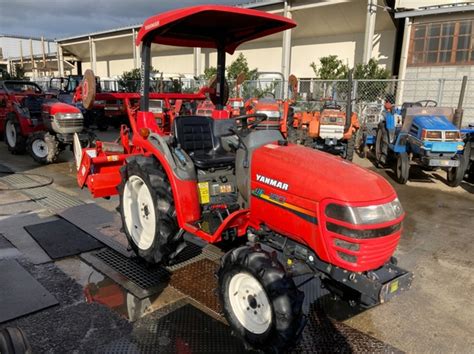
[11,47]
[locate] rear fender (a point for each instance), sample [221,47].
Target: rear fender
[184,190]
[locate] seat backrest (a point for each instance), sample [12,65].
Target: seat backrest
[194,133]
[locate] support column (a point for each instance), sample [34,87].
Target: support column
[32,58]
[21,53]
[59,48]
[197,62]
[134,52]
[43,52]
[369,30]
[286,51]
[403,61]
[94,57]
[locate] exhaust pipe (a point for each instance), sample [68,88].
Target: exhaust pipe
[458,113]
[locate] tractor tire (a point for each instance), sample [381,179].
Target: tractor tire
[403,168]
[350,148]
[148,212]
[13,341]
[260,301]
[15,141]
[455,175]
[381,147]
[43,147]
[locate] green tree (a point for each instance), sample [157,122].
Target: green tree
[330,68]
[371,71]
[239,65]
[130,80]
[18,73]
[369,91]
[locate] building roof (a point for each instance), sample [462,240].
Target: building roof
[436,10]
[14,36]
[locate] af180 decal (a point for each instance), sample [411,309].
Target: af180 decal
[272,182]
[280,201]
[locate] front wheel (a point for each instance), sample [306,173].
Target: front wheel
[381,147]
[260,302]
[147,210]
[43,147]
[403,168]
[455,175]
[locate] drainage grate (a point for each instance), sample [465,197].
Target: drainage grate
[137,272]
[197,280]
[48,197]
[190,254]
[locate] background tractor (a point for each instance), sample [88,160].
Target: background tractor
[35,121]
[187,184]
[328,130]
[421,133]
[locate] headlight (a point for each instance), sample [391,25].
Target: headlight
[68,115]
[270,114]
[237,104]
[374,214]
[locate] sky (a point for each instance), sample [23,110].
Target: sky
[62,18]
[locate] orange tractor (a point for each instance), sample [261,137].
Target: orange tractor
[327,130]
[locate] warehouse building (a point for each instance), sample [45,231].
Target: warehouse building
[339,27]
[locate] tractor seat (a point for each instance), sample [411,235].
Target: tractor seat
[195,135]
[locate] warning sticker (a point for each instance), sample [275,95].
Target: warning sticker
[203,192]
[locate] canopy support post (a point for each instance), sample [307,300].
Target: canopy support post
[220,77]
[145,76]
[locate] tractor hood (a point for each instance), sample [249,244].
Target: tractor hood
[59,107]
[434,123]
[316,175]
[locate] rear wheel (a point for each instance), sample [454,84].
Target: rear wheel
[43,147]
[13,341]
[350,148]
[260,302]
[15,141]
[147,210]
[403,168]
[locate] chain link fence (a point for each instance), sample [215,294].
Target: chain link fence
[368,96]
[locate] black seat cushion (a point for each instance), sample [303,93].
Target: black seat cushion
[195,136]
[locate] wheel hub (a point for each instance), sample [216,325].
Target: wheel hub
[40,148]
[250,303]
[139,214]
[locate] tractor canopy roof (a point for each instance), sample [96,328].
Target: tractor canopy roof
[211,26]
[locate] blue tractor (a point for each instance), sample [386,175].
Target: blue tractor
[466,168]
[421,133]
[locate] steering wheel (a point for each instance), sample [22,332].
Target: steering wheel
[268,94]
[427,103]
[243,124]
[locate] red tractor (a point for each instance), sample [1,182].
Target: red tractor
[35,121]
[187,184]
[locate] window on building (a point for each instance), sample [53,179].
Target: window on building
[447,43]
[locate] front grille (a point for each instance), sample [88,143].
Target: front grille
[363,234]
[70,122]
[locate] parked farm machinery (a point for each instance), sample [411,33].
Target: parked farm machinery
[183,183]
